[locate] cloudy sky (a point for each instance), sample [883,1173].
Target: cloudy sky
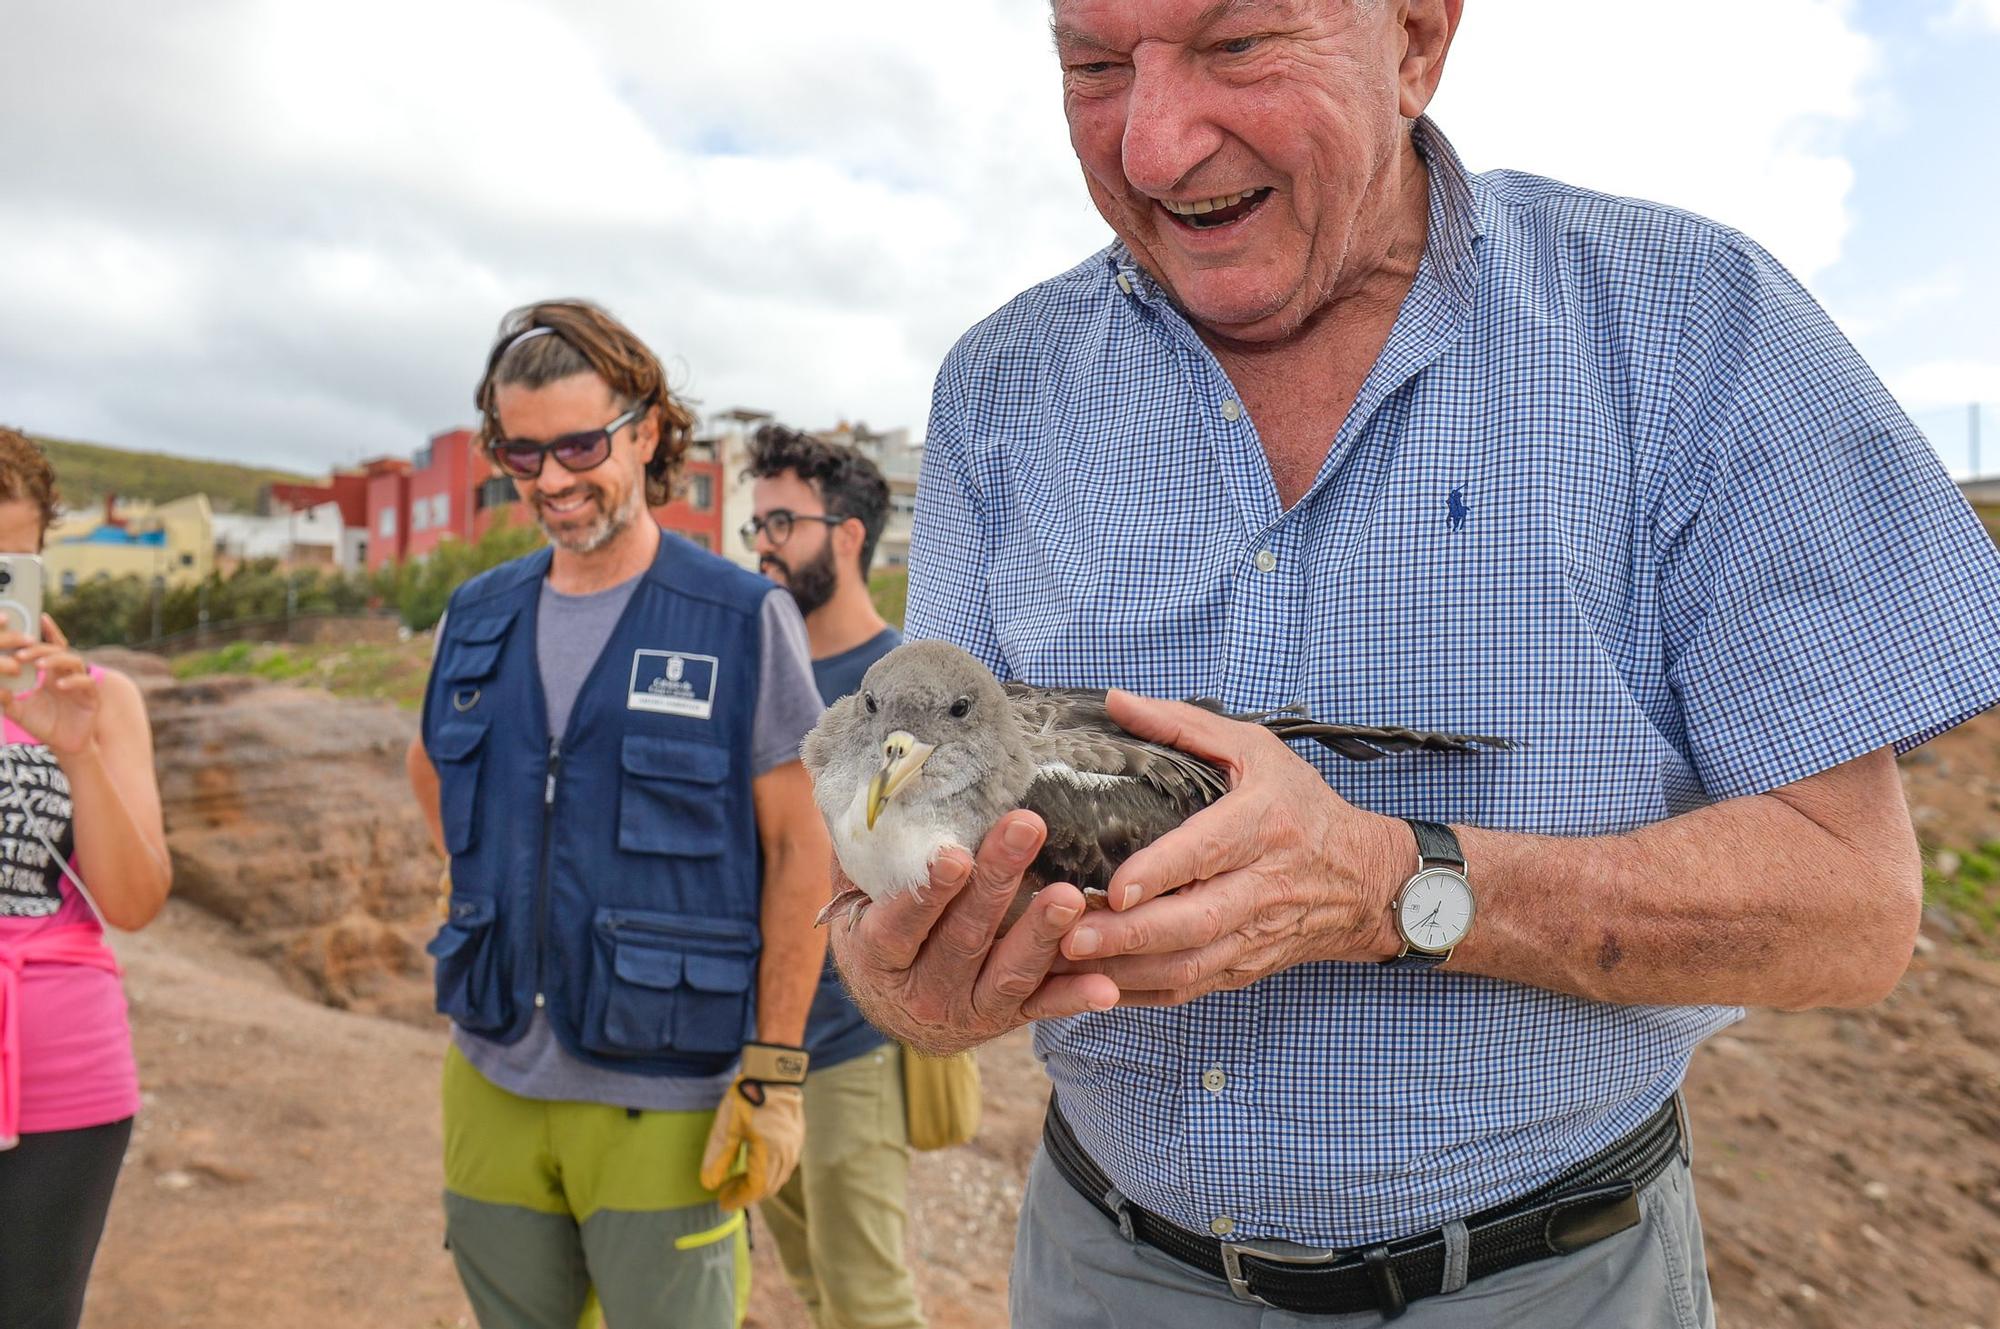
[283,232]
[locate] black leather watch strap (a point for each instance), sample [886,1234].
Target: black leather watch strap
[1437,844]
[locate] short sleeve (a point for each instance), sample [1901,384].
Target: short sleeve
[949,545]
[1825,590]
[788,703]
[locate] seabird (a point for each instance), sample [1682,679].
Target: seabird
[933,750]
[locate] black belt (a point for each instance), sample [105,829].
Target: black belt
[1593,1200]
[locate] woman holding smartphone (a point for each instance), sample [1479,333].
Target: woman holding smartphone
[81,845]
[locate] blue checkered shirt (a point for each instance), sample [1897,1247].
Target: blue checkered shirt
[1615,487]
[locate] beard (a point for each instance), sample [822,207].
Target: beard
[812,584]
[591,536]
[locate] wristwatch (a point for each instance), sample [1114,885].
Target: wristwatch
[1435,908]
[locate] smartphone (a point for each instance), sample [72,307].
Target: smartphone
[20,611]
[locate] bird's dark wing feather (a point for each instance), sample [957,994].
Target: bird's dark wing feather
[1097,825]
[1070,727]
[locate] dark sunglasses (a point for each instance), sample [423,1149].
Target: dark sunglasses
[522,458]
[777,523]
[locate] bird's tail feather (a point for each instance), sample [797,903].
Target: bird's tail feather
[1360,742]
[1357,742]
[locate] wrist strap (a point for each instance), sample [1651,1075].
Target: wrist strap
[774,1063]
[1436,843]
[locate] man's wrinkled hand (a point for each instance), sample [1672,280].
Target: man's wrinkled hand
[760,1127]
[930,967]
[1277,872]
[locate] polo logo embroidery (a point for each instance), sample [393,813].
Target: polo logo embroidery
[1455,510]
[672,683]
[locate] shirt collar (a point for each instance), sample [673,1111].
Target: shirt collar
[1458,206]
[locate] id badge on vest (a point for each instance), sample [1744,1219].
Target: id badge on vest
[673,683]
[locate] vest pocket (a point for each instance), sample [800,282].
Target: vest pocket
[669,983]
[455,754]
[670,798]
[469,989]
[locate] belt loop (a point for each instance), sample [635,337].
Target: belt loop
[1388,1288]
[1457,1253]
[1117,1204]
[1681,1125]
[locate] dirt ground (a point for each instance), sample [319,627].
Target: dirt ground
[285,1168]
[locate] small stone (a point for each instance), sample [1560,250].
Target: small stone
[1876,1191]
[1808,1293]
[1872,1237]
[226,1173]
[176,1180]
[1947,863]
[1730,1047]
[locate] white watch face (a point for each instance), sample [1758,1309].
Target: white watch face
[1435,910]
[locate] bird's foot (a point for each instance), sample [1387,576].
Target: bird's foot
[853,900]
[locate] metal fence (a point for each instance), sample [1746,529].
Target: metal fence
[296,629]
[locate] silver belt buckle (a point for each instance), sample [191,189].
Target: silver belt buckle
[1275,1252]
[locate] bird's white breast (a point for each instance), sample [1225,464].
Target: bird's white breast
[896,855]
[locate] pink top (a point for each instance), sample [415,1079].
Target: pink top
[74,1057]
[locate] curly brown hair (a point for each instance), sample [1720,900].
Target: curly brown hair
[587,340]
[25,473]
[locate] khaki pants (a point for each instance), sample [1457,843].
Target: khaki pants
[839,1221]
[1072,1270]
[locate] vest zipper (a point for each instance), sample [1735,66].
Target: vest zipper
[542,885]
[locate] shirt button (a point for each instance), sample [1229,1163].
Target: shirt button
[1266,560]
[1232,410]
[1222,1226]
[1214,1079]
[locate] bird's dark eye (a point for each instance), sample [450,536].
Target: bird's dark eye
[961,708]
[868,700]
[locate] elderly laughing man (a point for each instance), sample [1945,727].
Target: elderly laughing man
[1336,420]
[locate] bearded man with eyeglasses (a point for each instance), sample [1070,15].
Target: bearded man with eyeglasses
[609,757]
[817,511]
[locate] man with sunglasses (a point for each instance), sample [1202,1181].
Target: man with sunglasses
[818,510]
[609,756]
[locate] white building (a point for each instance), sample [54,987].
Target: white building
[310,536]
[730,433]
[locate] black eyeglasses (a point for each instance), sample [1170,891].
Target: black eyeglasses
[522,458]
[777,523]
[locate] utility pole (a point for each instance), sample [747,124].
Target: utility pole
[1972,435]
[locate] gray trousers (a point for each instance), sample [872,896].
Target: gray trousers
[1072,1270]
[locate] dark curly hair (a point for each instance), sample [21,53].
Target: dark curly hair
[587,340]
[25,473]
[849,484]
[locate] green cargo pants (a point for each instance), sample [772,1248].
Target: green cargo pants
[546,1203]
[839,1221]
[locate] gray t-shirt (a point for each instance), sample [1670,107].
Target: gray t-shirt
[570,633]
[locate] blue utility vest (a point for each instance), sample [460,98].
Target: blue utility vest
[612,877]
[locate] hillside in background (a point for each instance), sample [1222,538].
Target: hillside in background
[86,472]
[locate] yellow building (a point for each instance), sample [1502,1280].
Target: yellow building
[174,542]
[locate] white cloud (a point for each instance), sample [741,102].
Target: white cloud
[1975,13]
[1728,109]
[285,232]
[1945,385]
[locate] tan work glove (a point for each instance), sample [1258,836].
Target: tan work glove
[759,1128]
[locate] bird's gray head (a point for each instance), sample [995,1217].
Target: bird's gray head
[930,717]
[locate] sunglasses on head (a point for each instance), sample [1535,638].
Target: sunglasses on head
[522,458]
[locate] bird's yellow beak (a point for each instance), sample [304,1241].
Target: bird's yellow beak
[902,757]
